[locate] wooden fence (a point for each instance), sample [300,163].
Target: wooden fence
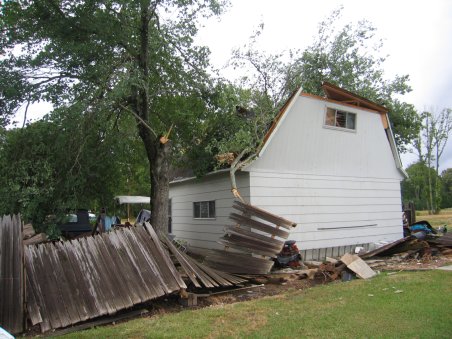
[11,274]
[76,280]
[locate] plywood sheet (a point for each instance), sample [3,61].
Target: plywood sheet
[357,265]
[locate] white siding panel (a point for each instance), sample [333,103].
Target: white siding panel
[301,143]
[204,232]
[328,217]
[267,179]
[270,201]
[332,209]
[355,224]
[306,245]
[261,191]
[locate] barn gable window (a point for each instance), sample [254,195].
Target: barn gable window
[204,209]
[340,119]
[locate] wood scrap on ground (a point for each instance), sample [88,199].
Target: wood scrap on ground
[357,265]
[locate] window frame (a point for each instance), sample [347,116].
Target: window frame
[211,212]
[340,128]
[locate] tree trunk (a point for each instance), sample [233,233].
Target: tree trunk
[160,187]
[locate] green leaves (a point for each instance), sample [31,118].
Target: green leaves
[349,57]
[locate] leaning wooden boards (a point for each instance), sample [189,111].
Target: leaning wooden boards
[258,235]
[69,282]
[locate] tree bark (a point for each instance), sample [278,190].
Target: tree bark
[158,153]
[160,187]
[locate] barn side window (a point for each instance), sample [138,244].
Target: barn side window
[204,209]
[341,119]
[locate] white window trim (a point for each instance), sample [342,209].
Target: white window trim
[342,129]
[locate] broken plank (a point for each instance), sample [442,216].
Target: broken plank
[264,240]
[260,213]
[165,255]
[245,247]
[192,271]
[382,249]
[357,265]
[243,220]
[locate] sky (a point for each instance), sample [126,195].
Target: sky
[417,36]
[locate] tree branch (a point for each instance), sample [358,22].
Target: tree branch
[145,124]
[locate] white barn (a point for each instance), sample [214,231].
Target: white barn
[329,164]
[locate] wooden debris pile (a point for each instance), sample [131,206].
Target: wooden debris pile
[443,243]
[257,237]
[402,250]
[201,275]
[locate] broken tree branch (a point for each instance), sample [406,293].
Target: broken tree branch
[237,164]
[140,119]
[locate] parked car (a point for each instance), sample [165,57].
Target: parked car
[77,224]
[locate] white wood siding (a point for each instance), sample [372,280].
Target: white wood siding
[302,144]
[204,232]
[340,187]
[331,211]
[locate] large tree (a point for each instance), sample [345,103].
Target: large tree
[348,56]
[113,58]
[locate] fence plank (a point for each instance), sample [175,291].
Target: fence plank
[11,274]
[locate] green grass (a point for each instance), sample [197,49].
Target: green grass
[356,309]
[443,218]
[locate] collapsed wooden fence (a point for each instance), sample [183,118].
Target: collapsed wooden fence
[11,274]
[76,280]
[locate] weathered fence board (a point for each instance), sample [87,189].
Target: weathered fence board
[199,273]
[253,238]
[85,278]
[11,274]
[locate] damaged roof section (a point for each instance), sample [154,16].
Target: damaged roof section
[69,282]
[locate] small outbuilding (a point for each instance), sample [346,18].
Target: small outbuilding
[329,163]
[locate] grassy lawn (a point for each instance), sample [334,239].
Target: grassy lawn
[402,305]
[444,217]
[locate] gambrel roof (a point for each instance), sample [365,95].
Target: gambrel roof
[337,95]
